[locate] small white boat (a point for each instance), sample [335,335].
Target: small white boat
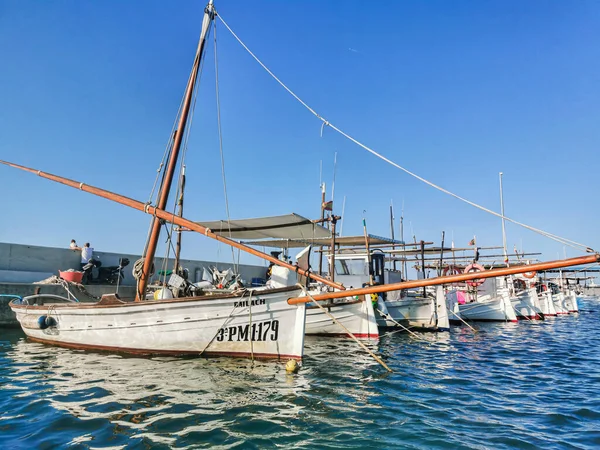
[414,311]
[357,315]
[527,305]
[546,303]
[486,308]
[571,301]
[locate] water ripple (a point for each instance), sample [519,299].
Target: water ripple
[525,385]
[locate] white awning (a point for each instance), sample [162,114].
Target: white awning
[289,226]
[341,241]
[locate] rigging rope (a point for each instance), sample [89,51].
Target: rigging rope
[221,145]
[325,122]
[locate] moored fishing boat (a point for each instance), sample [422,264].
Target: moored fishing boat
[217,325]
[356,315]
[545,299]
[526,305]
[495,307]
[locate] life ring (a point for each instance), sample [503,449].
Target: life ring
[451,270]
[529,275]
[475,268]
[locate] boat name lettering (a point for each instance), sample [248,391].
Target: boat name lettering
[259,331]
[255,302]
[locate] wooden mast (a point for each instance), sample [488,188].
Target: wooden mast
[172,218]
[172,162]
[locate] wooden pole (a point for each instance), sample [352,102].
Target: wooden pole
[453,278]
[171,218]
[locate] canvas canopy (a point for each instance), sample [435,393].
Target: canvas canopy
[343,241]
[289,226]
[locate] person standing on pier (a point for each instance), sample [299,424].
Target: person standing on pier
[86,254]
[74,246]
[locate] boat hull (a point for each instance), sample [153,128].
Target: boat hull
[262,325]
[357,316]
[546,304]
[415,313]
[527,305]
[489,311]
[560,304]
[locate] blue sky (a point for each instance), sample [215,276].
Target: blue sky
[454,91]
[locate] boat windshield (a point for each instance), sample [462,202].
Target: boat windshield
[351,267]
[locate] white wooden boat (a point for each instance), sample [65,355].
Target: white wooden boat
[546,303]
[485,308]
[357,315]
[262,325]
[527,305]
[571,301]
[415,311]
[409,308]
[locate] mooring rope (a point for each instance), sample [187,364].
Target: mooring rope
[332,317]
[325,122]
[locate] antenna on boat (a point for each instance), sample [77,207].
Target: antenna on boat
[333,182]
[343,210]
[392,230]
[165,187]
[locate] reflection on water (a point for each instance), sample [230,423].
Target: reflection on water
[508,385]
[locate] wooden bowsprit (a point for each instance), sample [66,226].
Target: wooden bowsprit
[451,279]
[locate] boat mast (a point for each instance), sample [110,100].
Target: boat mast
[180,214]
[503,222]
[392,232]
[170,170]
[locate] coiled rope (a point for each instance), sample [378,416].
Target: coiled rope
[325,122]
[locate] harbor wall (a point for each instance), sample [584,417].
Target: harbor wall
[8,318]
[30,263]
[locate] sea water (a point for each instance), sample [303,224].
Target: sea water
[524,385]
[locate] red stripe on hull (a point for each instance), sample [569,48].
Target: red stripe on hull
[536,317]
[483,320]
[146,352]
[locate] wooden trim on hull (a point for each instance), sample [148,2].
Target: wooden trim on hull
[148,352]
[124,304]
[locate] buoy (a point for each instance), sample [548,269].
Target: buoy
[45,322]
[292,366]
